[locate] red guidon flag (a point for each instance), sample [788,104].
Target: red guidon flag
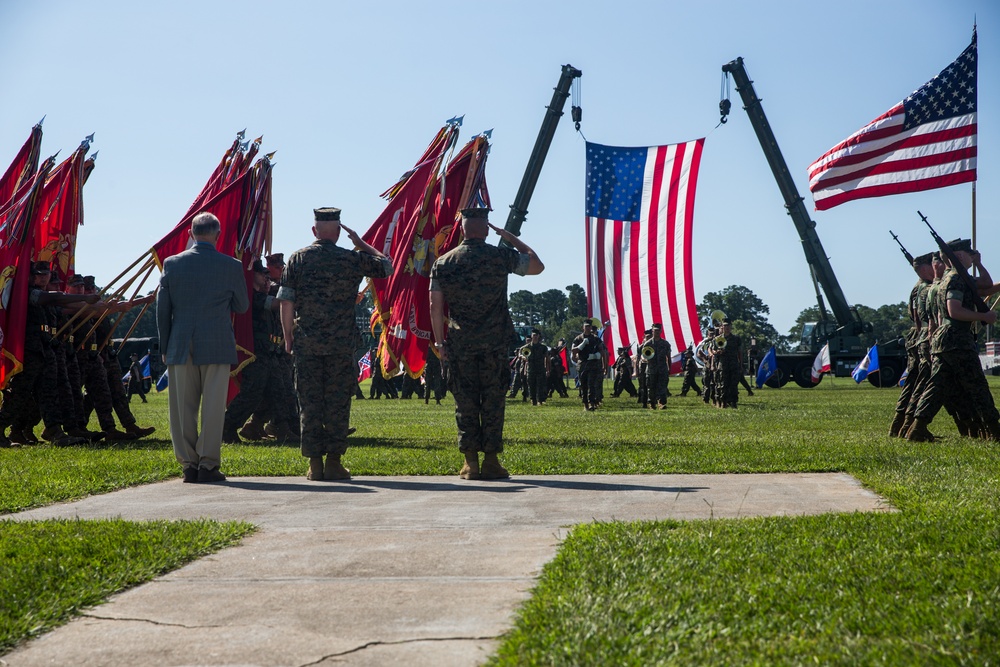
[60,214]
[406,231]
[24,166]
[926,141]
[17,220]
[640,214]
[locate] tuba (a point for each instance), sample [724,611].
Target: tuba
[717,317]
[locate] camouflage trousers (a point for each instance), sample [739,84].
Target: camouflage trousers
[285,408]
[957,379]
[728,385]
[324,385]
[94,376]
[478,381]
[32,391]
[690,382]
[591,379]
[656,385]
[623,383]
[913,371]
[260,384]
[538,385]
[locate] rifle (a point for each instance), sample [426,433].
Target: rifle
[946,250]
[906,254]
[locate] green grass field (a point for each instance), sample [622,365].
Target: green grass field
[921,586]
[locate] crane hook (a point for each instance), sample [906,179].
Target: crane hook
[724,107]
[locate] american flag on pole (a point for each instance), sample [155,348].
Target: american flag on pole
[926,141]
[640,209]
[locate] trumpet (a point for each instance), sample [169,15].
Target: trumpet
[648,352]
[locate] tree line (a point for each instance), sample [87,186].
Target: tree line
[560,314]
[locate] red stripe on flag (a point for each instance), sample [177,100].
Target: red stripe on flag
[590,225]
[965,176]
[602,278]
[618,233]
[675,176]
[693,326]
[654,226]
[635,323]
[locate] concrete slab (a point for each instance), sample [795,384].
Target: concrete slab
[379,570]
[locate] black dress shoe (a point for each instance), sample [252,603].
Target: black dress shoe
[213,475]
[190,475]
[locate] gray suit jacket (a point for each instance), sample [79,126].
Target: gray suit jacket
[199,290]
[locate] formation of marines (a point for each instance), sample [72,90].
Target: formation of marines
[70,369]
[943,367]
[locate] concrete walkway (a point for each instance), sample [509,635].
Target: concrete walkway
[379,570]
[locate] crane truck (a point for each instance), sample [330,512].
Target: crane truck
[842,331]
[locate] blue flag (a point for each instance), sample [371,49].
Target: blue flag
[768,367]
[161,384]
[867,366]
[902,378]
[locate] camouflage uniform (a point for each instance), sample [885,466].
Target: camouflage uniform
[33,390]
[690,374]
[537,380]
[556,373]
[955,367]
[433,381]
[658,371]
[322,281]
[473,281]
[260,381]
[914,371]
[623,376]
[730,369]
[588,347]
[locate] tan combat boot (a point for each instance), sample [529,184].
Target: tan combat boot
[315,473]
[471,468]
[897,424]
[918,432]
[491,468]
[334,469]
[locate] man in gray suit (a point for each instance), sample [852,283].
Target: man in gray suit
[199,290]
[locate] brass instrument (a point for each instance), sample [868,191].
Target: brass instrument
[525,352]
[717,317]
[719,342]
[648,352]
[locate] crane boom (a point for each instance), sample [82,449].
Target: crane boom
[847,319]
[519,209]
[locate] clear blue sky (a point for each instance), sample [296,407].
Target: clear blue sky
[349,94]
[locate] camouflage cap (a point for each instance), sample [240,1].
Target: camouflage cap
[476,212]
[923,259]
[39,268]
[75,280]
[259,267]
[90,282]
[277,259]
[327,214]
[960,245]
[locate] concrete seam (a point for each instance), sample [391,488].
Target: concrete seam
[372,644]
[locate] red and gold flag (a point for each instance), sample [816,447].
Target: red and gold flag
[60,214]
[24,166]
[17,221]
[415,228]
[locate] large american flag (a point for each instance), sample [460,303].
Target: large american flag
[926,141]
[640,208]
